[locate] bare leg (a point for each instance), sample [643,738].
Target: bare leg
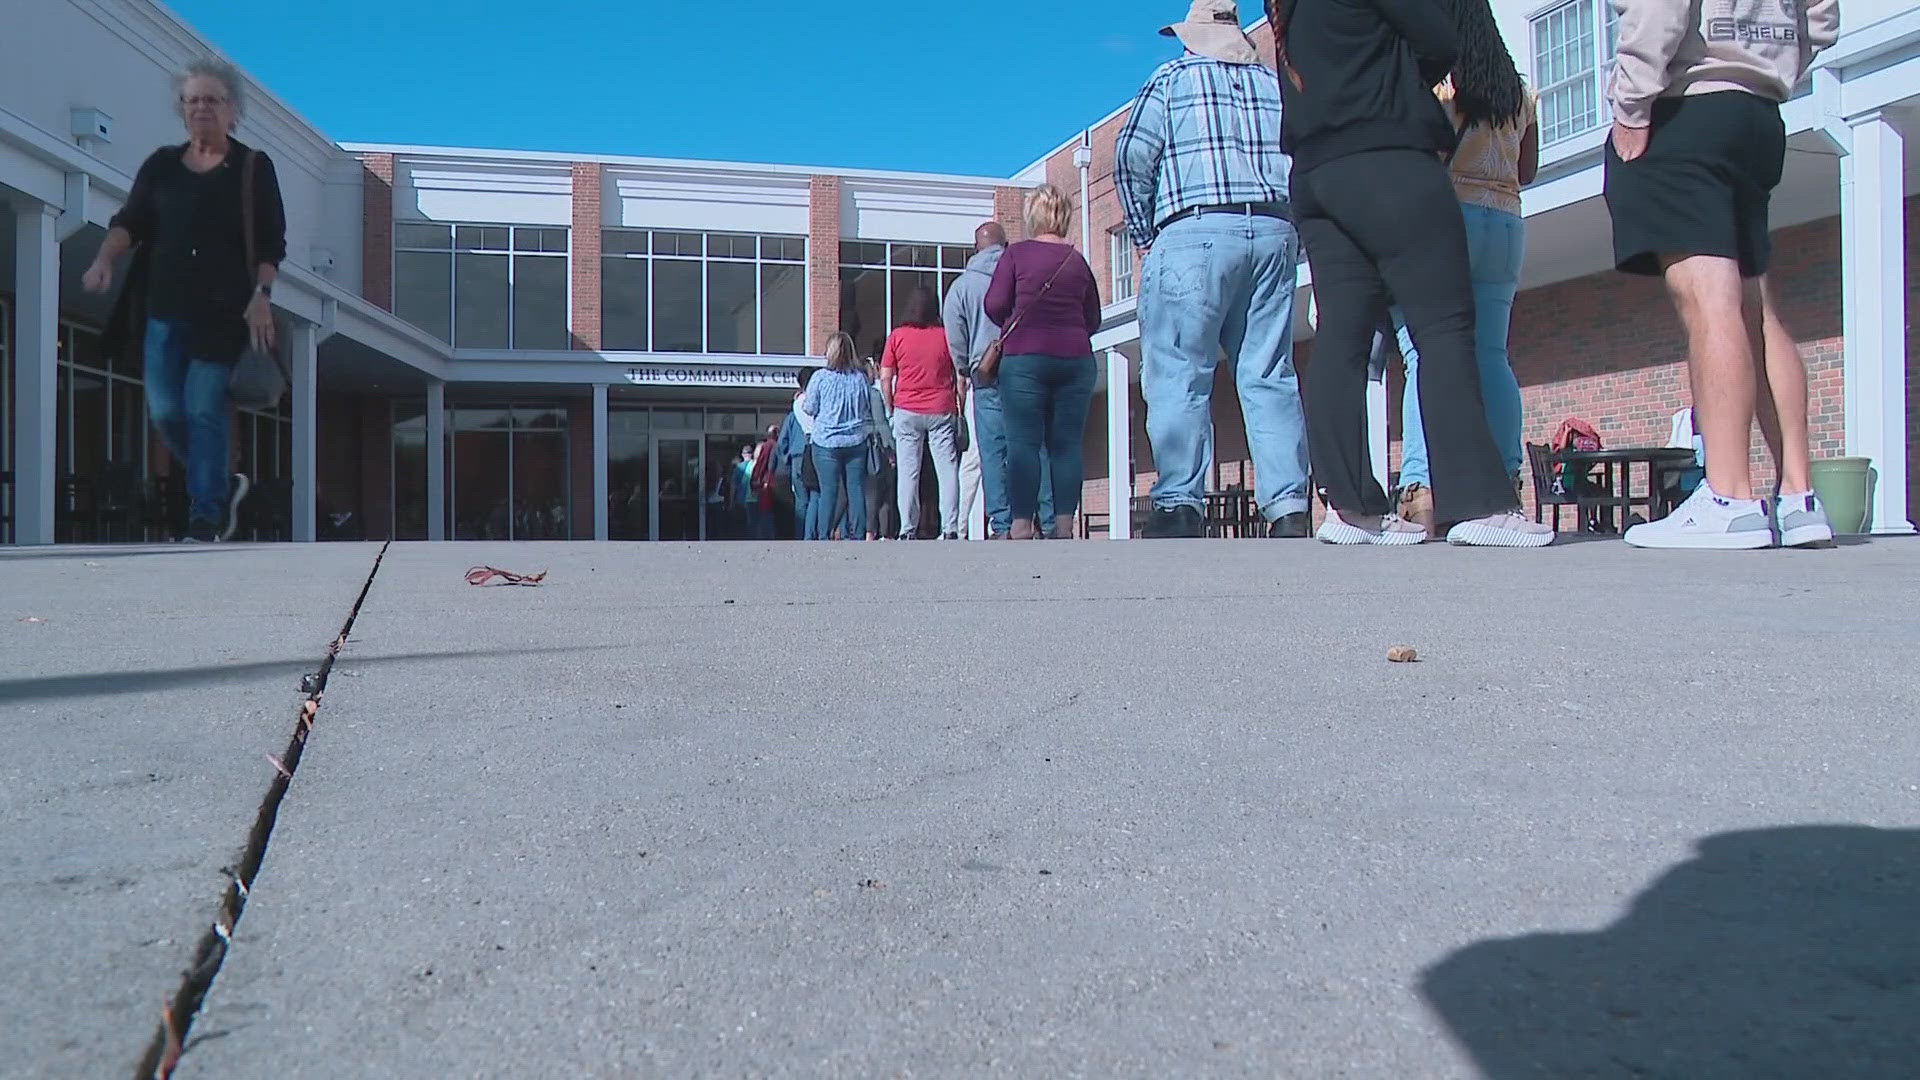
[1710,296]
[1781,397]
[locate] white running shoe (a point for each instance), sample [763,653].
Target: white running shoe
[1708,522]
[1509,530]
[1802,521]
[241,485]
[1389,530]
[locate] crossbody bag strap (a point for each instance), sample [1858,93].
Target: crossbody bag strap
[1459,132]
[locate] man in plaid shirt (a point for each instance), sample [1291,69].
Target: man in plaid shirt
[1204,187]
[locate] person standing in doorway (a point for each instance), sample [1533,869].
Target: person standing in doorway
[917,383]
[1380,220]
[1498,153]
[969,333]
[1204,189]
[790,459]
[1044,293]
[838,400]
[1696,151]
[192,302]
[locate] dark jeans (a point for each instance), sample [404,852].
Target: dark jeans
[990,423]
[1380,227]
[1045,398]
[841,469]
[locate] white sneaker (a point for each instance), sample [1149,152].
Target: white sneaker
[1389,530]
[1708,522]
[1511,530]
[1801,520]
[241,486]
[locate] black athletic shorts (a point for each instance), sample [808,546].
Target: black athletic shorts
[1703,185]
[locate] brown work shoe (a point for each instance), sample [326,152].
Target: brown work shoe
[1416,505]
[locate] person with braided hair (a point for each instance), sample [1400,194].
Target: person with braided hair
[1382,226]
[1497,154]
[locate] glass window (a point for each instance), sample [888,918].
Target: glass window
[915,255]
[732,309]
[859,254]
[666,243]
[783,248]
[783,310]
[623,304]
[128,444]
[623,242]
[423,292]
[905,283]
[863,305]
[410,470]
[1568,68]
[677,318]
[731,247]
[540,304]
[482,301]
[415,235]
[92,425]
[1120,260]
[955,258]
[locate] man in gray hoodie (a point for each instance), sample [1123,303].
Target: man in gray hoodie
[969,332]
[1696,150]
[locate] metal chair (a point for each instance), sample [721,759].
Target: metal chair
[1588,497]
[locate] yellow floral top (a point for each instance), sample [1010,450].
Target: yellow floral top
[1486,168]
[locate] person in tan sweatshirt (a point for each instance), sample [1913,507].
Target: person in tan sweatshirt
[1696,151]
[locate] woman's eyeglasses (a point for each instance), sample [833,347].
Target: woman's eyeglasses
[196,102]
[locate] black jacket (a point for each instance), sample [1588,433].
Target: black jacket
[1367,69]
[215,283]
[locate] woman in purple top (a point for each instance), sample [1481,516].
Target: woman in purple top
[1044,297]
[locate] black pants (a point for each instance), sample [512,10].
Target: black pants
[1380,227]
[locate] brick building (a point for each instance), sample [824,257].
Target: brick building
[517,345]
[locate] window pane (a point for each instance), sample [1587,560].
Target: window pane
[553,240]
[783,310]
[677,318]
[540,303]
[467,237]
[947,282]
[622,242]
[730,247]
[783,248]
[665,243]
[863,306]
[915,255]
[539,417]
[526,239]
[904,284]
[955,258]
[423,291]
[409,470]
[481,301]
[91,426]
[540,486]
[863,254]
[412,235]
[731,313]
[129,442]
[480,508]
[623,304]
[482,419]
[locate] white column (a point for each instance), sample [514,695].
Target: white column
[1873,308]
[303,356]
[36,315]
[1119,446]
[600,446]
[436,460]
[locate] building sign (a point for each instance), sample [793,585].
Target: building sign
[677,375]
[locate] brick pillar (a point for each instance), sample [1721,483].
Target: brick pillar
[587,220]
[376,229]
[1009,209]
[823,260]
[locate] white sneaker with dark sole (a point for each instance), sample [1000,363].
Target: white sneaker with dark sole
[1386,531]
[241,485]
[1508,530]
[1802,521]
[1708,522]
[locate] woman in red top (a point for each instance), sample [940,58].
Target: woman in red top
[921,393]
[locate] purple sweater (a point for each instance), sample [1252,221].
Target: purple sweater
[1060,323]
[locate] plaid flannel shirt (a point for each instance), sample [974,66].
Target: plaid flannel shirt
[1202,133]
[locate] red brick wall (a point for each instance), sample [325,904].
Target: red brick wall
[585,263]
[376,232]
[823,260]
[1009,209]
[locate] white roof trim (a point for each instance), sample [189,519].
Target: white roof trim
[739,168]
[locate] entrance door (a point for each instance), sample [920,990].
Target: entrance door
[676,487]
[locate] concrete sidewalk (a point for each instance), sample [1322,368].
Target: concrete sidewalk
[1081,809]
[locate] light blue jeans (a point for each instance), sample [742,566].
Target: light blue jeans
[187,401]
[1496,244]
[1215,284]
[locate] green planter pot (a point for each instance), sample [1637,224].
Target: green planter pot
[1843,484]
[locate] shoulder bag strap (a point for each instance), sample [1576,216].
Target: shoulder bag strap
[1459,133]
[1022,313]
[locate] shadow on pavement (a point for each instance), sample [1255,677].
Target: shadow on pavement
[139,682]
[1791,952]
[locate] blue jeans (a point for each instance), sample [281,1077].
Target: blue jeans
[989,418]
[1496,243]
[840,468]
[1045,400]
[1212,283]
[802,506]
[187,401]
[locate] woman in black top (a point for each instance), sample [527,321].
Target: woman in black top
[1381,224]
[191,302]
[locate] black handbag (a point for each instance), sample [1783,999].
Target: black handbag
[809,472]
[259,378]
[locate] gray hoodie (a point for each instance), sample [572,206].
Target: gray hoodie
[969,331]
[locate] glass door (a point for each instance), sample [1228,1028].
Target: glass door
[629,479]
[677,487]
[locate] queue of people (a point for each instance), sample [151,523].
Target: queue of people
[1387,142]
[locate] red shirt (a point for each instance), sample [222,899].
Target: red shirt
[924,380]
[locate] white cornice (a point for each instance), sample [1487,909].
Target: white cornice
[734,168]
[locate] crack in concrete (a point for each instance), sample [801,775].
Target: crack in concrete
[178,1013]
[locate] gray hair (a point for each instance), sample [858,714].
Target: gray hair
[208,67]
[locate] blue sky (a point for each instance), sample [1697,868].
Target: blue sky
[979,87]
